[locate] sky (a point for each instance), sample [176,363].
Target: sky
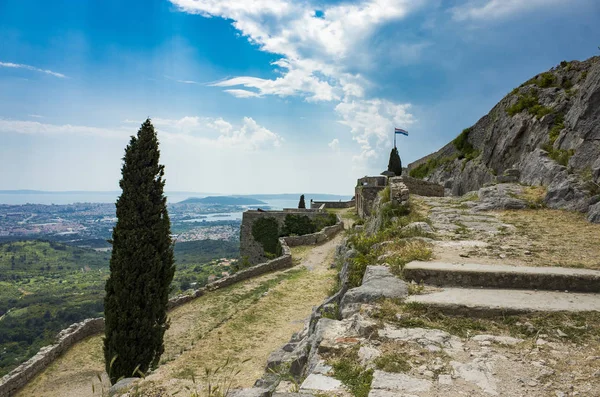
[261,96]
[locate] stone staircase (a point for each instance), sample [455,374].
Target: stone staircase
[488,290]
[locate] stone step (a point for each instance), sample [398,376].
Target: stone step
[493,302]
[503,276]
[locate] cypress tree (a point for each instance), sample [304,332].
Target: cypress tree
[302,204]
[395,164]
[142,263]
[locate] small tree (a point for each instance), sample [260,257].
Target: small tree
[141,265]
[395,164]
[302,204]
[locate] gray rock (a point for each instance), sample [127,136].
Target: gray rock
[503,340]
[378,282]
[318,382]
[501,196]
[399,382]
[122,386]
[478,372]
[422,226]
[253,392]
[507,143]
[593,214]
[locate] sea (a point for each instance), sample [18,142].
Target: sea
[63,198]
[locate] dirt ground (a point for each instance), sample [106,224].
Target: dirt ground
[531,237]
[245,321]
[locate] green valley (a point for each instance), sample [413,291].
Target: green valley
[46,286]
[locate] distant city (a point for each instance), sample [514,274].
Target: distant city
[79,221]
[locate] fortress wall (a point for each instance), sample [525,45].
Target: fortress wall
[423,188]
[20,376]
[253,250]
[332,204]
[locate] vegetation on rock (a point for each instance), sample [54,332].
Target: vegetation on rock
[464,147]
[266,232]
[530,103]
[142,263]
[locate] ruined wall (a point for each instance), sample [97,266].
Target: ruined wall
[423,188]
[253,250]
[19,377]
[332,204]
[365,197]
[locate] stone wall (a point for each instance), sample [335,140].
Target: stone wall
[21,375]
[253,250]
[423,188]
[332,204]
[365,197]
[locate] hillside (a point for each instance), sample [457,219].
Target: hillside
[548,129]
[46,286]
[223,200]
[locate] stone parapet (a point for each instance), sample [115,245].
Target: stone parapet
[423,188]
[332,204]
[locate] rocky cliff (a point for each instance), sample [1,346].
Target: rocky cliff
[545,132]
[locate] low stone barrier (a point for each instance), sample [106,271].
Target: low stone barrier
[332,204]
[20,376]
[423,188]
[315,238]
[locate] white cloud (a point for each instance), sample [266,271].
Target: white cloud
[317,52]
[334,145]
[243,93]
[216,132]
[210,132]
[32,68]
[372,124]
[481,10]
[187,82]
[317,55]
[37,128]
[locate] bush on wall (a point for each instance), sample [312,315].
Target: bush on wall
[266,232]
[298,225]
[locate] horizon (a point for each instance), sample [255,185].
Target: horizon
[302,96]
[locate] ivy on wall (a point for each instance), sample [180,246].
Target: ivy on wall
[266,232]
[298,225]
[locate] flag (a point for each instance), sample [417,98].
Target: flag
[400,131]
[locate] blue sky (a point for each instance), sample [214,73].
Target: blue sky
[257,96]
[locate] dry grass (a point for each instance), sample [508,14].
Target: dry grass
[78,368]
[557,237]
[252,333]
[246,320]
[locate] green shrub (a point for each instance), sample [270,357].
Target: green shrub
[323,221]
[544,80]
[430,166]
[392,362]
[529,102]
[385,195]
[464,147]
[583,76]
[298,225]
[559,125]
[266,232]
[354,376]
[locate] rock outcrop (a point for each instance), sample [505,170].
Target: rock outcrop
[545,132]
